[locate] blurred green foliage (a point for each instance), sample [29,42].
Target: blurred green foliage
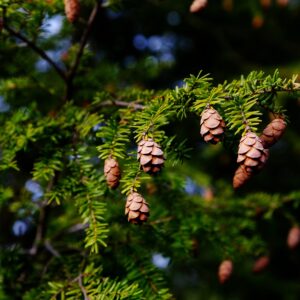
[63,233]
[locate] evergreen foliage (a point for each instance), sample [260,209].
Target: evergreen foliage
[60,127]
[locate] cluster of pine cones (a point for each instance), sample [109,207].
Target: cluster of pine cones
[151,159]
[253,151]
[226,266]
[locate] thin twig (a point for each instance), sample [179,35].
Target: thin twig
[134,105]
[82,288]
[38,50]
[51,249]
[245,121]
[40,231]
[77,227]
[162,220]
[73,69]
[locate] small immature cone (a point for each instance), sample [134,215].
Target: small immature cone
[112,172]
[136,209]
[150,156]
[240,177]
[266,3]
[197,5]
[228,5]
[273,132]
[260,264]
[282,3]
[293,238]
[72,9]
[211,126]
[251,153]
[225,270]
[257,22]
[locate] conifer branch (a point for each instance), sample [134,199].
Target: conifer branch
[51,249]
[38,50]
[72,72]
[40,229]
[82,288]
[133,177]
[134,105]
[43,212]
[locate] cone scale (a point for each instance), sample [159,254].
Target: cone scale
[136,209]
[211,126]
[112,172]
[273,132]
[252,157]
[150,156]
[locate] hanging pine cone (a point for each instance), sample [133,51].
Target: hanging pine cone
[137,209]
[240,177]
[260,264]
[251,153]
[197,5]
[225,270]
[211,126]
[273,132]
[265,3]
[150,156]
[293,238]
[112,172]
[282,3]
[72,9]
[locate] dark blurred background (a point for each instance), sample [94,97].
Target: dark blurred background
[155,45]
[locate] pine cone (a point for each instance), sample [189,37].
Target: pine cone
[251,153]
[273,132]
[72,9]
[137,209]
[212,126]
[293,238]
[260,264]
[240,177]
[225,270]
[282,3]
[150,156]
[197,5]
[265,3]
[112,172]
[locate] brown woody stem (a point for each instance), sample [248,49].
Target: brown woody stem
[38,50]
[72,72]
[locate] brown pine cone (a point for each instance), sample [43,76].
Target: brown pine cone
[136,209]
[240,177]
[72,9]
[150,156]
[225,270]
[112,172]
[260,264]
[251,153]
[273,132]
[293,238]
[282,3]
[211,126]
[197,5]
[265,3]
